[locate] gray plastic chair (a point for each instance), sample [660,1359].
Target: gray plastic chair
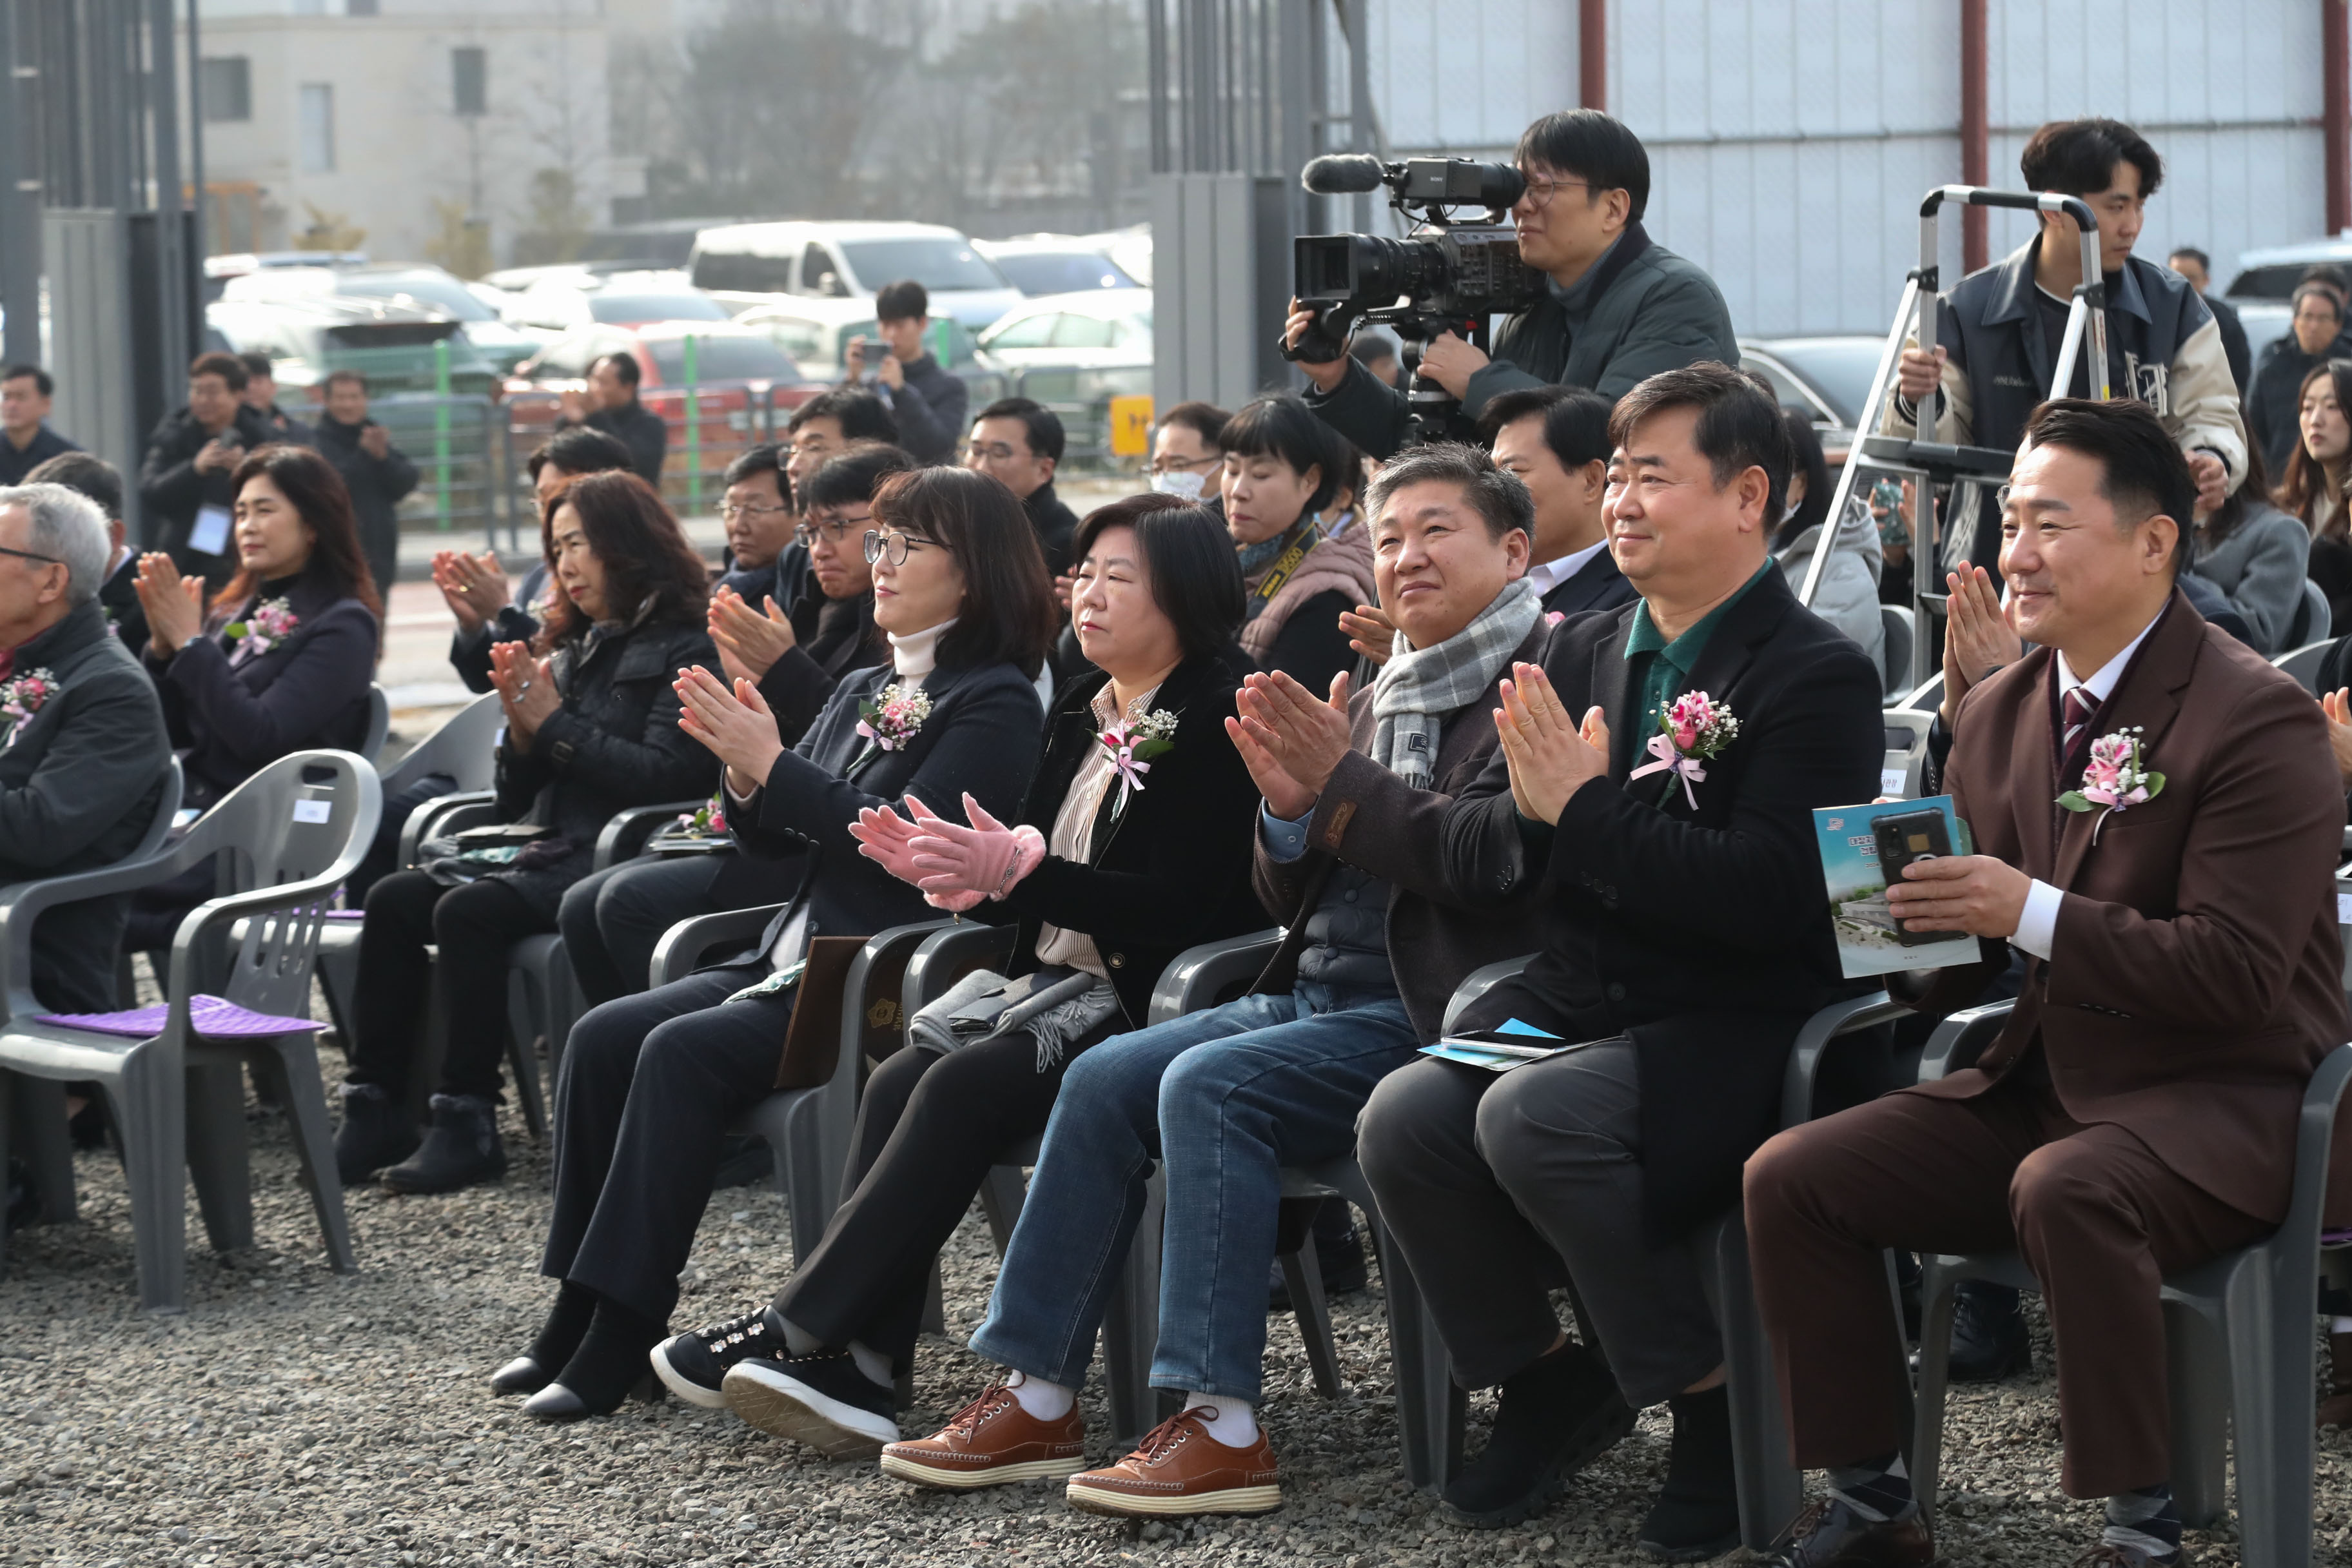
[39,1131]
[1906,764]
[2239,1349]
[379,725]
[1895,661]
[285,839]
[806,1130]
[2312,620]
[1771,1490]
[2303,662]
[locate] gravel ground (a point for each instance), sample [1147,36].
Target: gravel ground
[291,1416]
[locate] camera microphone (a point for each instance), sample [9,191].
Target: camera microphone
[1343,175]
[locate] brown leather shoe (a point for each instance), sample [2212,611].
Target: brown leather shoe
[990,1442]
[1179,1469]
[1829,1534]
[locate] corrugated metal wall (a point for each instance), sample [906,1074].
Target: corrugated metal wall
[1790,139]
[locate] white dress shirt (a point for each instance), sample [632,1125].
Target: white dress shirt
[1552,574]
[2037,926]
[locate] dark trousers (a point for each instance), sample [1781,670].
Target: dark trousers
[928,1128]
[1491,1183]
[648,1087]
[2099,1218]
[613,919]
[473,925]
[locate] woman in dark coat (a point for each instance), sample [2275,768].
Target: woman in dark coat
[591,729]
[281,662]
[650,1083]
[1118,882]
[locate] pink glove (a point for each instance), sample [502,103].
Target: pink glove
[987,859]
[887,838]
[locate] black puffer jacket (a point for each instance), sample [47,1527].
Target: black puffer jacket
[616,743]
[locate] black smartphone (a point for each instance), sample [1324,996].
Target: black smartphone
[1902,837]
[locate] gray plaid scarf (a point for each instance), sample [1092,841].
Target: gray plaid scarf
[1420,689]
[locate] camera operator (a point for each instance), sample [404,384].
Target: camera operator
[1619,308]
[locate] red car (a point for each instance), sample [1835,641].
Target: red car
[744,387]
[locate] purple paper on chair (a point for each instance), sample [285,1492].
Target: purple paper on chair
[211,1017]
[347,914]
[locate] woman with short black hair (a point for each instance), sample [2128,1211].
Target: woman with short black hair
[591,729]
[651,1083]
[1282,467]
[1108,872]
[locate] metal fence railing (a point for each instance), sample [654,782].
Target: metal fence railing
[472,454]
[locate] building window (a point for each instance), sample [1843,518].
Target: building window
[469,81]
[227,87]
[317,127]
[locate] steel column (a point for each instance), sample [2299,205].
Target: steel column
[1975,140]
[2336,113]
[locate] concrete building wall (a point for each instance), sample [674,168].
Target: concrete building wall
[399,142]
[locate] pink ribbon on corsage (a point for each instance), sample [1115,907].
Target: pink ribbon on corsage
[1686,768]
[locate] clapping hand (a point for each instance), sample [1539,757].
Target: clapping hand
[1370,631]
[961,865]
[886,838]
[175,605]
[525,688]
[474,586]
[2337,706]
[750,643]
[736,725]
[1549,756]
[1979,638]
[1305,736]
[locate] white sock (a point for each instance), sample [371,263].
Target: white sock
[1230,1421]
[872,1363]
[798,1339]
[1044,1401]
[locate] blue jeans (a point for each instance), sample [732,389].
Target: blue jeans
[1225,1098]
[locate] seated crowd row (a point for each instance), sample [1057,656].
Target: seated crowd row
[861,696]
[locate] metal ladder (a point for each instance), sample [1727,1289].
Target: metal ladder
[1968,470]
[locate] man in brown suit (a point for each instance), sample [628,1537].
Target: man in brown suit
[2137,1117]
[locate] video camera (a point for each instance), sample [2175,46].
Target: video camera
[1447,275]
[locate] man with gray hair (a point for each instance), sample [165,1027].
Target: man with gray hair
[83,750]
[1227,1097]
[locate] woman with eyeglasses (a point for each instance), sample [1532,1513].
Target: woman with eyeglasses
[591,729]
[650,1084]
[797,652]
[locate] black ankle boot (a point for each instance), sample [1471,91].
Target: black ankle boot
[613,1361]
[1553,1418]
[461,1149]
[376,1133]
[1696,1516]
[559,1338]
[1988,1337]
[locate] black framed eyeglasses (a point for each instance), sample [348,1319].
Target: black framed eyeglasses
[729,510]
[893,544]
[31,556]
[835,529]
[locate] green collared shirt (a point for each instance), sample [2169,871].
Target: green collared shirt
[1663,668]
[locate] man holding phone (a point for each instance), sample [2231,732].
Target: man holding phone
[2180,984]
[184,479]
[928,402]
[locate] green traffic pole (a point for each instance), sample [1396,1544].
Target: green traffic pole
[693,428]
[441,430]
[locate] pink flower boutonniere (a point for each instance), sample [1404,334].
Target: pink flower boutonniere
[2116,778]
[710,821]
[264,626]
[890,720]
[22,698]
[1132,747]
[1695,730]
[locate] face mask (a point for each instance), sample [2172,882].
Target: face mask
[1176,482]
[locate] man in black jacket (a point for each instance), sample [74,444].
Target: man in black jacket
[927,401]
[1618,308]
[1555,438]
[184,477]
[2275,403]
[26,440]
[1020,443]
[82,767]
[94,478]
[375,472]
[1686,943]
[610,404]
[261,396]
[2198,268]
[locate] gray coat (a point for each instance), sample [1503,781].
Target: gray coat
[2260,568]
[1848,595]
[78,782]
[1640,310]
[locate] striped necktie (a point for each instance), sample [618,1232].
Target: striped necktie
[2079,709]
